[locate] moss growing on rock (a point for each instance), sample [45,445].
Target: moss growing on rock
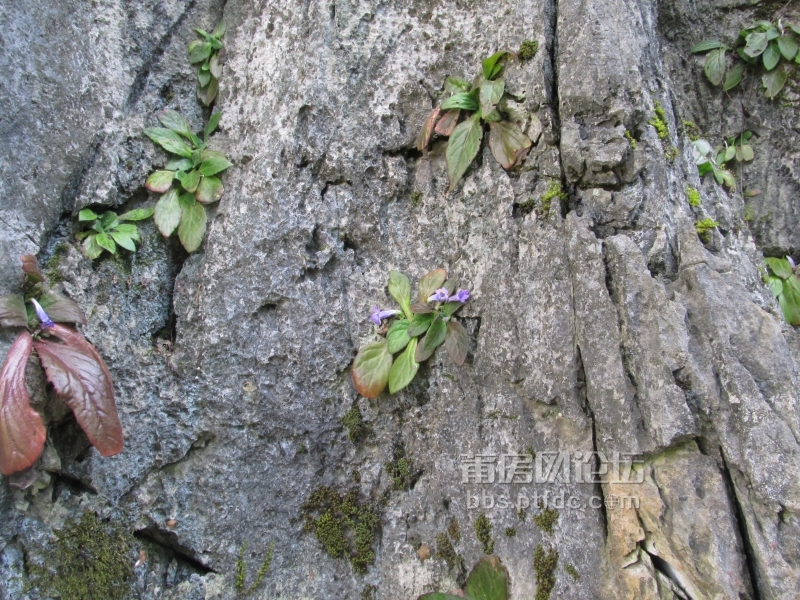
[544,565]
[483,531]
[446,552]
[511,532]
[402,471]
[704,227]
[90,560]
[659,121]
[454,530]
[527,50]
[631,139]
[546,520]
[572,572]
[693,197]
[357,429]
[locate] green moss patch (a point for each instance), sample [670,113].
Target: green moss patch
[483,531]
[527,50]
[546,520]
[357,429]
[544,565]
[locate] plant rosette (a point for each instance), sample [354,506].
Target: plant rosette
[785,287]
[109,230]
[414,332]
[207,54]
[72,365]
[188,181]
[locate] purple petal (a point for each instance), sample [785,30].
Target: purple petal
[439,295]
[460,296]
[45,320]
[386,314]
[791,262]
[375,317]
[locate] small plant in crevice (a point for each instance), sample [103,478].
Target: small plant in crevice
[763,47]
[476,102]
[547,519]
[544,566]
[483,531]
[107,231]
[262,571]
[527,50]
[716,160]
[660,123]
[785,286]
[72,365]
[704,228]
[207,53]
[357,429]
[630,138]
[195,169]
[446,551]
[416,331]
[693,197]
[488,580]
[402,471]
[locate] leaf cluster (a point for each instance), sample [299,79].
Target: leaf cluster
[460,117]
[785,287]
[195,168]
[205,53]
[764,47]
[108,230]
[488,580]
[71,364]
[715,160]
[422,328]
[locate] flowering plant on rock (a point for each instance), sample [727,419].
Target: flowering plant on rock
[414,331]
[71,364]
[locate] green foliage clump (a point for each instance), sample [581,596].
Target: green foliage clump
[770,49]
[454,530]
[510,532]
[195,168]
[659,121]
[554,191]
[572,572]
[488,580]
[478,102]
[527,50]
[630,138]
[345,527]
[671,153]
[785,287]
[90,560]
[544,565]
[240,570]
[693,197]
[483,531]
[402,471]
[446,552]
[704,227]
[546,520]
[692,130]
[109,230]
[416,198]
[715,161]
[205,53]
[357,429]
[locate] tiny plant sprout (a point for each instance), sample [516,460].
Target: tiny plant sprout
[207,53]
[414,332]
[107,231]
[785,287]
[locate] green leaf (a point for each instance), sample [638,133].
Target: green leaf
[371,368]
[213,165]
[404,368]
[138,214]
[774,81]
[456,342]
[780,267]
[747,152]
[432,340]
[789,301]
[130,230]
[730,153]
[462,148]
[12,311]
[207,94]
[490,64]
[105,241]
[448,308]
[488,580]
[775,285]
[456,84]
[109,220]
[159,181]
[167,214]
[215,66]
[448,122]
[61,309]
[173,120]
[419,324]
[439,596]
[210,190]
[490,94]
[192,228]
[788,47]
[507,143]
[199,51]
[91,247]
[203,78]
[187,200]
[734,76]
[467,101]
[87,214]
[189,181]
[794,28]
[424,137]
[123,240]
[400,290]
[756,43]
[169,140]
[397,336]
[715,66]
[771,56]
[772,33]
[431,282]
[220,29]
[213,122]
[179,164]
[420,308]
[708,45]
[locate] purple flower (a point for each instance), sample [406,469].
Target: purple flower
[45,320]
[378,315]
[439,295]
[460,296]
[791,262]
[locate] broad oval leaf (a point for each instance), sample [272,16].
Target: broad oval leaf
[772,33]
[707,45]
[431,282]
[421,308]
[490,64]
[207,94]
[192,228]
[130,230]
[404,368]
[210,190]
[747,152]
[789,300]
[756,43]
[190,181]
[220,29]
[179,164]
[490,94]
[213,122]
[199,51]
[734,76]
[203,78]
[12,311]
[215,65]
[788,47]
[775,285]
[371,368]
[488,580]
[439,596]
[167,214]
[774,81]
[448,308]
[462,148]
[424,137]
[159,181]
[123,240]
[169,140]
[173,120]
[507,143]
[455,84]
[400,290]
[456,342]
[420,323]
[137,214]
[30,266]
[465,100]
[22,432]
[432,340]
[91,247]
[397,337]
[779,266]
[81,378]
[771,56]
[213,165]
[87,214]
[61,309]
[715,66]
[448,122]
[104,241]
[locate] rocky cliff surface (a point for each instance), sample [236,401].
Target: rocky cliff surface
[600,323]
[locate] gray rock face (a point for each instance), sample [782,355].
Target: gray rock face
[601,324]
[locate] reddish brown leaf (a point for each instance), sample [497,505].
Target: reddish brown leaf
[448,122]
[22,432]
[431,282]
[425,133]
[507,143]
[456,342]
[81,378]
[420,308]
[61,309]
[31,267]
